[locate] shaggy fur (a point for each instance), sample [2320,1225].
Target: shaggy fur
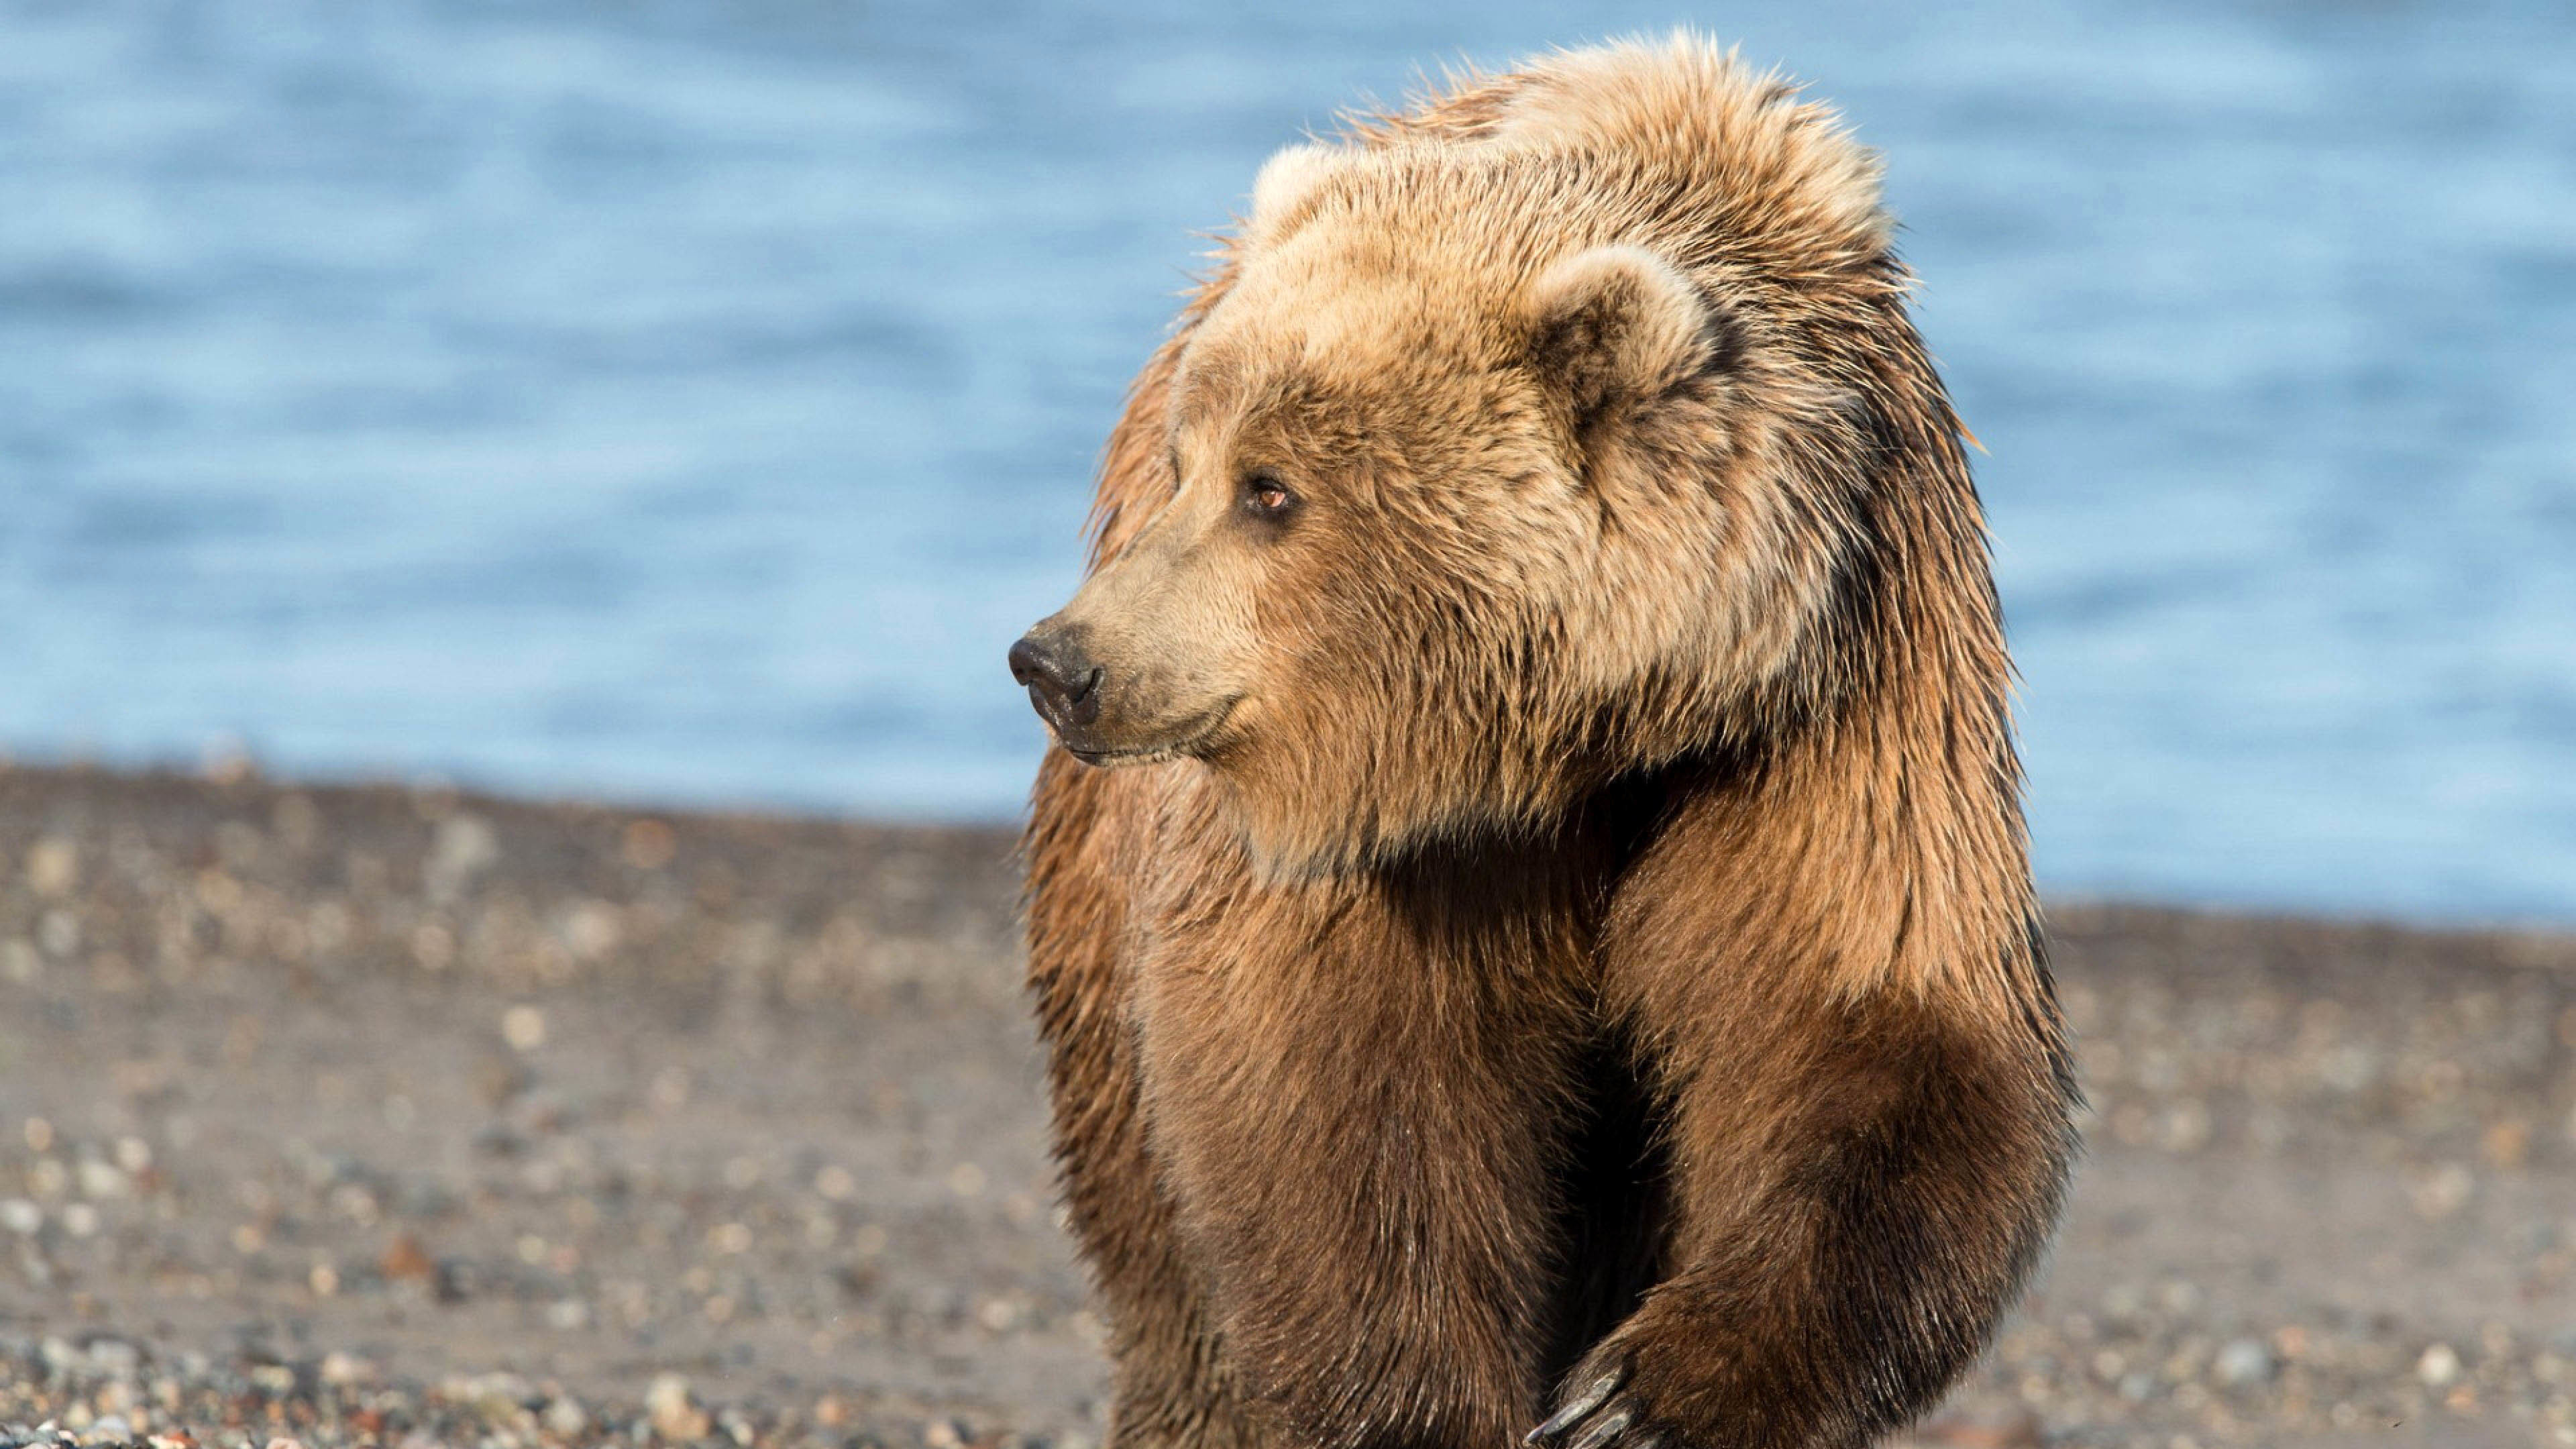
[1563,944]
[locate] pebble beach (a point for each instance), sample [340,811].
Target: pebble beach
[406,1116]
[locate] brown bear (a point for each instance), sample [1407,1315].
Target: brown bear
[1558,945]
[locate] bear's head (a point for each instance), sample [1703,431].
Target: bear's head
[1486,482]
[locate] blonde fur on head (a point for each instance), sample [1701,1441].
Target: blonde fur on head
[1794,157]
[1288,179]
[1487,346]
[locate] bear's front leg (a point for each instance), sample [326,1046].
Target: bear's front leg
[1360,1101]
[1860,1186]
[1169,1386]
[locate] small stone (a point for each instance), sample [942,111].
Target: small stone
[2439,1365]
[433,946]
[53,866]
[465,848]
[524,1028]
[2506,1143]
[565,1417]
[101,1179]
[674,1410]
[404,1258]
[21,1216]
[2244,1362]
[592,929]
[2186,1127]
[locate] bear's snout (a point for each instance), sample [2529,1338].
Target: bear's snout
[1062,680]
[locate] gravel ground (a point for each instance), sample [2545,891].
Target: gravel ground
[399,1116]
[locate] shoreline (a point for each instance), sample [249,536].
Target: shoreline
[227,767]
[354,1113]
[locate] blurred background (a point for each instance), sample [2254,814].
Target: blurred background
[688,402]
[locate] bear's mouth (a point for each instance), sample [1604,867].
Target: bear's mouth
[1192,736]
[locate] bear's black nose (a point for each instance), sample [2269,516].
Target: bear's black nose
[1062,681]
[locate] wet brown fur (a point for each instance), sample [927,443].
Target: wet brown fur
[1692,1028]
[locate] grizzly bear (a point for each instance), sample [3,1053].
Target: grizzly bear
[1556,946]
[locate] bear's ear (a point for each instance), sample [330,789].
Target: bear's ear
[1287,180]
[1619,324]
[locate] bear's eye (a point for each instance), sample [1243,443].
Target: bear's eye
[1264,496]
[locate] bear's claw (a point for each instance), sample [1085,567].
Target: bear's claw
[1593,1395]
[1607,1412]
[1605,1418]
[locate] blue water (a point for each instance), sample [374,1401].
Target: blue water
[690,401]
